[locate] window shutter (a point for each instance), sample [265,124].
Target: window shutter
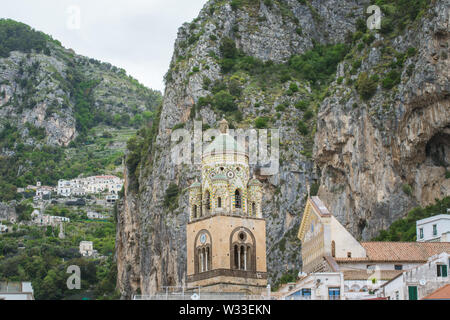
[412,293]
[444,270]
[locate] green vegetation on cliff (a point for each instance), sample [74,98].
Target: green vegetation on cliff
[36,254]
[16,36]
[405,229]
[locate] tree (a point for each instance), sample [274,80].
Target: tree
[366,86]
[224,101]
[261,122]
[228,48]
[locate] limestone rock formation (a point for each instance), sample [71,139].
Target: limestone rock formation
[374,158]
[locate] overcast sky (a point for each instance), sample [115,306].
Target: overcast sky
[137,35]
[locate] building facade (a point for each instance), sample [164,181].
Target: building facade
[16,291]
[89,185]
[87,249]
[417,283]
[226,233]
[435,228]
[328,248]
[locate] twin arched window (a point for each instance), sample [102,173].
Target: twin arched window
[242,257]
[203,259]
[242,250]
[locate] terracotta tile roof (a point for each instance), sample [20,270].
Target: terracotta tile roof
[400,251]
[443,293]
[366,274]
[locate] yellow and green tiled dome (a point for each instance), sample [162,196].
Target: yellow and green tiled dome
[224,143]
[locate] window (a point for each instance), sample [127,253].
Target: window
[242,257]
[242,253]
[208,201]
[334,293]
[441,270]
[306,293]
[421,233]
[434,229]
[237,199]
[397,295]
[219,202]
[398,267]
[253,209]
[194,211]
[349,254]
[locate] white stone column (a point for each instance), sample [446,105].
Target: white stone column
[201,259]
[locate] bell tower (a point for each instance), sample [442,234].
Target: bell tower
[226,233]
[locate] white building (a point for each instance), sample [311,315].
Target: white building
[112,198]
[3,228]
[328,248]
[87,249]
[16,291]
[64,188]
[436,228]
[420,281]
[95,215]
[47,220]
[42,191]
[89,185]
[316,286]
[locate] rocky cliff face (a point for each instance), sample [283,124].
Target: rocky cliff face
[366,152]
[37,89]
[389,154]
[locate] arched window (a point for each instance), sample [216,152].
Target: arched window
[236,257]
[355,288]
[253,209]
[242,250]
[237,199]
[242,257]
[219,202]
[333,249]
[208,202]
[194,211]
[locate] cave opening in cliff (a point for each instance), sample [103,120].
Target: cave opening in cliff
[438,149]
